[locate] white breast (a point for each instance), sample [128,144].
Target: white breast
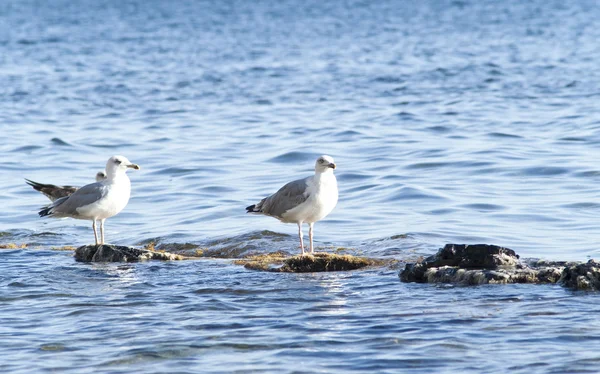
[112,203]
[323,198]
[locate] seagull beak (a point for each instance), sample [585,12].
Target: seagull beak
[332,165]
[134,166]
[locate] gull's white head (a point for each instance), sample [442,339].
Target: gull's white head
[100,176]
[324,164]
[119,165]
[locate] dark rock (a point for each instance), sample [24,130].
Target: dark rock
[583,276]
[549,274]
[477,264]
[319,262]
[325,262]
[474,256]
[118,253]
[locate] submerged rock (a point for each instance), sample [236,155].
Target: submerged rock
[118,253]
[479,264]
[183,249]
[319,262]
[12,246]
[582,276]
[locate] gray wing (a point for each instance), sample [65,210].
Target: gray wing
[86,195]
[288,197]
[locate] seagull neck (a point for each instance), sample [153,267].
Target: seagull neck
[321,175]
[115,177]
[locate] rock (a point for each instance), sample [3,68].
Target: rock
[475,256]
[118,253]
[582,276]
[13,246]
[319,262]
[325,262]
[478,264]
[183,249]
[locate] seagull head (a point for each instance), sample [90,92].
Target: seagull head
[324,164]
[119,165]
[100,176]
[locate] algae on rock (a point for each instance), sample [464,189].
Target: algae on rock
[319,262]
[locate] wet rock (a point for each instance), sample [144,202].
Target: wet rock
[12,246]
[319,262]
[325,262]
[478,264]
[582,276]
[118,253]
[183,249]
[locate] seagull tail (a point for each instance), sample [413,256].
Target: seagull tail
[49,210]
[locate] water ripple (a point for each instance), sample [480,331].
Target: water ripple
[449,121]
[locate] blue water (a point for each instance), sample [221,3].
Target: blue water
[450,122]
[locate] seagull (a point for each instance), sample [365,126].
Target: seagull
[97,201]
[304,200]
[54,192]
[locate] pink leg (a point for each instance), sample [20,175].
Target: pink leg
[95,233]
[102,231]
[300,235]
[310,236]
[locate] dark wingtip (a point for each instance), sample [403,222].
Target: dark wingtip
[31,183]
[250,209]
[36,186]
[45,212]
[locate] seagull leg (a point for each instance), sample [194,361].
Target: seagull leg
[102,230]
[95,233]
[310,236]
[300,235]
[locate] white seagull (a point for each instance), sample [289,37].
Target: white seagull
[54,192]
[97,201]
[304,200]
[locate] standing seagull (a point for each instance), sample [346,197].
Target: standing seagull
[54,192]
[304,200]
[97,201]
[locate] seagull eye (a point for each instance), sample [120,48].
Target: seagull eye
[321,161]
[118,162]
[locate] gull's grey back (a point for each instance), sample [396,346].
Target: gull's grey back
[288,197]
[86,195]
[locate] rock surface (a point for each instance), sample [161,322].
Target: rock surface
[479,264]
[582,276]
[118,253]
[319,262]
[325,262]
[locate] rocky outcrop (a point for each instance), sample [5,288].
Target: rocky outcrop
[455,263]
[582,276]
[479,264]
[118,253]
